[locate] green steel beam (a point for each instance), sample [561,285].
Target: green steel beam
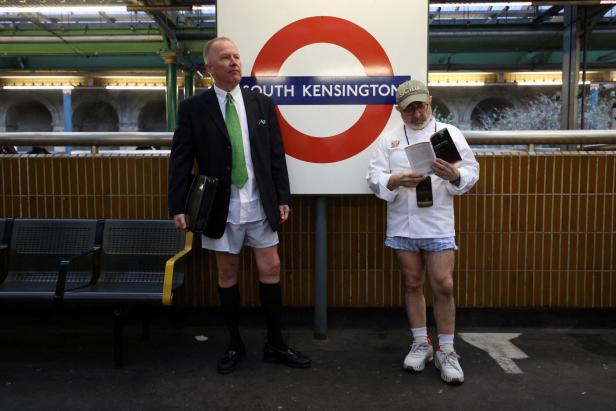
[81,62]
[81,31]
[462,43]
[603,60]
[80,48]
[552,60]
[549,60]
[469,49]
[189,84]
[490,41]
[171,95]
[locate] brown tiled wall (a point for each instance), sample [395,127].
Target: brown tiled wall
[538,230]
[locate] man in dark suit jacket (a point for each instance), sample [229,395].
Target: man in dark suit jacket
[233,134]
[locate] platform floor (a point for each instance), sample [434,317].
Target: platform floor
[64,362]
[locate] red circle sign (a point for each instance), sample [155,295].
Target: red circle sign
[343,33]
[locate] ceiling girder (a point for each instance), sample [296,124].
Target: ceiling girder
[551,12]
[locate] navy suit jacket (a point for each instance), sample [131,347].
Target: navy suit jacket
[201,134]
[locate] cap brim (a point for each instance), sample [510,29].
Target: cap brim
[413,98]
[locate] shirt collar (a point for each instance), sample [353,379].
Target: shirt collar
[236,93]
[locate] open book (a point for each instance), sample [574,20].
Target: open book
[423,153]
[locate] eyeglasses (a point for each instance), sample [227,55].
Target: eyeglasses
[416,106]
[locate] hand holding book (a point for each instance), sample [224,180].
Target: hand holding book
[445,170]
[405,178]
[423,155]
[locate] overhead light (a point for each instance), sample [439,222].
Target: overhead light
[538,73]
[205,8]
[41,77]
[545,83]
[457,84]
[607,2]
[67,87]
[134,78]
[539,83]
[135,87]
[63,10]
[494,4]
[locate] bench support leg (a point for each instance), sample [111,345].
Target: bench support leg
[118,331]
[146,317]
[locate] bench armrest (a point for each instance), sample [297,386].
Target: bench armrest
[169,268]
[63,271]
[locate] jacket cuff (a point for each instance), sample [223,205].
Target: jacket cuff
[460,187]
[385,193]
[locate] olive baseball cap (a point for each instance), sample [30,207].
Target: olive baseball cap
[411,91]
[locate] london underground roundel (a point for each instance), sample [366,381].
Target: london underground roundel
[360,43]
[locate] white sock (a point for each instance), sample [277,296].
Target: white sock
[420,335]
[445,342]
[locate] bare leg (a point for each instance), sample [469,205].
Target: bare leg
[268,264]
[228,266]
[412,268]
[439,267]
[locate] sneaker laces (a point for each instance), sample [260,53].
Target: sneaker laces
[450,358]
[419,347]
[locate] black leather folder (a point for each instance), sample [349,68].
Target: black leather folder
[199,201]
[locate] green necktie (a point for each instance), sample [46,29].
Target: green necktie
[239,173]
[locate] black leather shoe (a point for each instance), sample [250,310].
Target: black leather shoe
[229,361]
[288,356]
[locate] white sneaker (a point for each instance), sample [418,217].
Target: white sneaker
[420,354]
[448,364]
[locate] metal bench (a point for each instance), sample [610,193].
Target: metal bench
[120,263]
[133,259]
[32,252]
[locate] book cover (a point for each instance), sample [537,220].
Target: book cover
[423,153]
[444,146]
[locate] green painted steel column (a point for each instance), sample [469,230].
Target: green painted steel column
[571,69]
[189,84]
[172,89]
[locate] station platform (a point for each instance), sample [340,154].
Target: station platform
[62,360]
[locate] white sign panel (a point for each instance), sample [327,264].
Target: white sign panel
[332,67]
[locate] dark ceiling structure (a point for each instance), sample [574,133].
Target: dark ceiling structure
[138,35]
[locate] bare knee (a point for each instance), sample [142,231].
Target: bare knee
[413,282]
[443,287]
[227,273]
[269,269]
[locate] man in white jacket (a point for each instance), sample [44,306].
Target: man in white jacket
[423,235]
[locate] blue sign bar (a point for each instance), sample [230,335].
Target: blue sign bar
[307,90]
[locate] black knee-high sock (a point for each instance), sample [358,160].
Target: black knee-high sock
[230,307]
[271,302]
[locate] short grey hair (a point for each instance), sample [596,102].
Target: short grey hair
[208,46]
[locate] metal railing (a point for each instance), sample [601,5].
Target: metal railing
[157,139]
[475,137]
[94,140]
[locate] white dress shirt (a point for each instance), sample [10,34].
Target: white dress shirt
[404,218]
[245,203]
